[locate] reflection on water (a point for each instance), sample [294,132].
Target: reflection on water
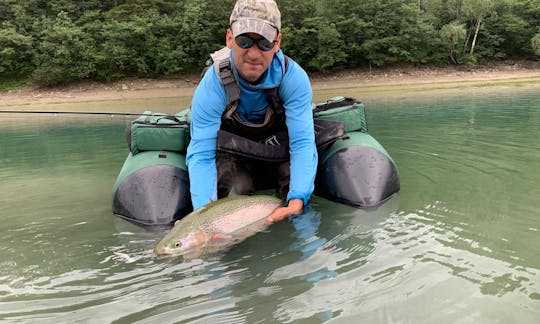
[460,243]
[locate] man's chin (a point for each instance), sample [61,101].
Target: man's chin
[251,76]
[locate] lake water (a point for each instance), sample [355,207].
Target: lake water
[459,244]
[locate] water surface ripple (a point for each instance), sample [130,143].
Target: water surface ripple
[459,244]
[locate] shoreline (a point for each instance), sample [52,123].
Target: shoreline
[389,80]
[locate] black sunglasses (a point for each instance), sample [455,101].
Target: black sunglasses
[246,42]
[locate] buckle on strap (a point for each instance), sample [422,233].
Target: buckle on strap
[273,98]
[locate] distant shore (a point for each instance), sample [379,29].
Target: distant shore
[389,79]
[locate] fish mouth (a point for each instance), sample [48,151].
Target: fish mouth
[186,254]
[166,252]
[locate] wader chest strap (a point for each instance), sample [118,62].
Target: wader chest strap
[230,84]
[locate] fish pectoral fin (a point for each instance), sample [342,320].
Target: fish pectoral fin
[218,237]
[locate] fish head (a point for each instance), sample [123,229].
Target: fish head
[182,241]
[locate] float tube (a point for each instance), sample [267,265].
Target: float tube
[152,187]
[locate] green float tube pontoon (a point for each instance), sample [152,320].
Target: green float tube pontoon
[153,185]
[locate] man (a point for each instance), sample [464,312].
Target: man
[253,42]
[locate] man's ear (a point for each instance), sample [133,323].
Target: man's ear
[229,38]
[278,43]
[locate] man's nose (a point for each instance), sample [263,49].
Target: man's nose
[254,51]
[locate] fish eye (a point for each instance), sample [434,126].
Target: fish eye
[177,244]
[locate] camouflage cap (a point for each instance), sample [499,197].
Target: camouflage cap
[256,16]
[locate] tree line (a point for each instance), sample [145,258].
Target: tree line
[57,41]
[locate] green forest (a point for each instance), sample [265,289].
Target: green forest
[58,41]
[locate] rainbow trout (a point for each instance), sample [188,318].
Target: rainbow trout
[218,225]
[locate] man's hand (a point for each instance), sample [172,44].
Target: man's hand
[294,207]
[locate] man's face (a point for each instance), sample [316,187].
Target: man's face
[251,62]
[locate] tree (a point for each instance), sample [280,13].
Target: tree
[61,40]
[64,53]
[203,27]
[311,35]
[453,34]
[418,39]
[124,47]
[535,43]
[477,10]
[317,45]
[15,51]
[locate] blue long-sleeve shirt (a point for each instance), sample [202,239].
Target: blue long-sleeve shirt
[208,105]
